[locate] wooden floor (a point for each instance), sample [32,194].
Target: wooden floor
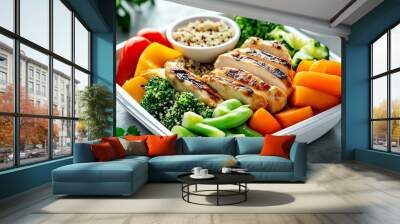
[351,181]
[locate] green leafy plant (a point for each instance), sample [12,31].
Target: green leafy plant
[132,130]
[123,13]
[97,103]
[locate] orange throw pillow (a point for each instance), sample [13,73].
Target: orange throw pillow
[116,145]
[136,137]
[161,145]
[103,152]
[277,145]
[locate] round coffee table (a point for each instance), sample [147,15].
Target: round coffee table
[238,179]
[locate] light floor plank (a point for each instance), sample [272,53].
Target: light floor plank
[353,182]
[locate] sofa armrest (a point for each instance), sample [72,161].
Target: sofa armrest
[83,152]
[298,156]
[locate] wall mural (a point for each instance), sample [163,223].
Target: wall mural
[217,76]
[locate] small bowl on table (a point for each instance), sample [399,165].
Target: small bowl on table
[203,54]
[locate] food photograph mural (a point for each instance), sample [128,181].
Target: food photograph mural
[200,73]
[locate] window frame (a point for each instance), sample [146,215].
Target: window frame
[51,118]
[388,74]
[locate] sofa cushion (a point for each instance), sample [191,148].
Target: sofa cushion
[113,171]
[257,163]
[103,152]
[249,145]
[83,152]
[185,163]
[161,145]
[116,145]
[134,147]
[277,145]
[207,145]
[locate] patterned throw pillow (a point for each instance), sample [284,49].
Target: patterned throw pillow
[134,147]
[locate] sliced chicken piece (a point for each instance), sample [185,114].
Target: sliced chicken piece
[267,73]
[275,97]
[272,47]
[229,88]
[266,57]
[185,81]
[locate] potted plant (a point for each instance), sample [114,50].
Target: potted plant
[97,104]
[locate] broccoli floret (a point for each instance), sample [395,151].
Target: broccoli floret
[253,28]
[184,103]
[159,96]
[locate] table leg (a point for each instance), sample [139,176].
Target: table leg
[195,188]
[188,189]
[245,193]
[217,194]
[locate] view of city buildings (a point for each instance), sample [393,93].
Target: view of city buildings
[34,99]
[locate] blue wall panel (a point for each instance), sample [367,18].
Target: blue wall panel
[103,61]
[24,178]
[356,85]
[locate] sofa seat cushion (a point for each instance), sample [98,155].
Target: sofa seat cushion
[113,171]
[257,163]
[185,163]
[207,145]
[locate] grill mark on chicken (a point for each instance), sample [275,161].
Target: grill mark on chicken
[276,72]
[266,55]
[236,85]
[246,78]
[183,75]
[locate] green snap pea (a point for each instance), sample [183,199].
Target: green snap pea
[226,107]
[193,122]
[232,119]
[248,132]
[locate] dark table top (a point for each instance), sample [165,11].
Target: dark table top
[220,178]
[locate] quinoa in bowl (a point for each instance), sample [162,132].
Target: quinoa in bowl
[203,38]
[203,33]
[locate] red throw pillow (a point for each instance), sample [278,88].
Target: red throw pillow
[136,137]
[161,145]
[103,151]
[277,145]
[116,145]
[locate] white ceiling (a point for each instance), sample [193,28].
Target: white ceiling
[321,9]
[331,17]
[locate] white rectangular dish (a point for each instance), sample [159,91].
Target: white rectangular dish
[306,131]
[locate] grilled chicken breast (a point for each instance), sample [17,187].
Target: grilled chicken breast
[229,88]
[275,97]
[266,57]
[269,74]
[185,81]
[272,47]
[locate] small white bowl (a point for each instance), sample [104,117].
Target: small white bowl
[204,54]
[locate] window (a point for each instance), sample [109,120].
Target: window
[7,14]
[44,91]
[49,79]
[7,90]
[38,89]
[30,87]
[81,45]
[30,72]
[385,94]
[38,73]
[3,78]
[3,72]
[34,21]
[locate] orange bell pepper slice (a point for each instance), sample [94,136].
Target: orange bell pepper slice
[155,56]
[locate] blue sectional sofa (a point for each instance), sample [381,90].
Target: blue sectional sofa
[125,176]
